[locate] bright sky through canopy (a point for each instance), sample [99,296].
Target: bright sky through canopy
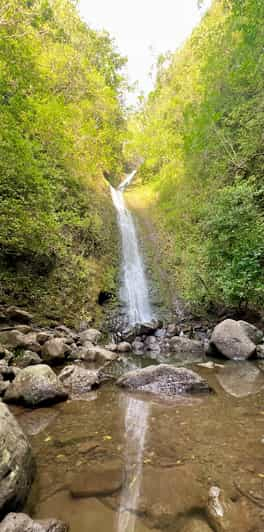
[143,29]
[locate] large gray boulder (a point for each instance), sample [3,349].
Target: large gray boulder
[124,347]
[92,353]
[78,380]
[260,351]
[151,345]
[164,380]
[90,335]
[231,340]
[138,347]
[28,358]
[34,386]
[15,338]
[193,349]
[23,523]
[140,329]
[16,463]
[54,350]
[255,334]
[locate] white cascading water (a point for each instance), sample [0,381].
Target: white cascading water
[134,291]
[136,424]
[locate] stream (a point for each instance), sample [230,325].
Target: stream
[165,454]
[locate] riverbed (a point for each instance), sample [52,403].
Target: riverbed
[188,446]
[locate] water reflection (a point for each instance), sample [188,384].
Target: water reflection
[240,379]
[136,424]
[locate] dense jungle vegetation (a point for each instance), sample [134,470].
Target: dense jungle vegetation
[62,129]
[200,139]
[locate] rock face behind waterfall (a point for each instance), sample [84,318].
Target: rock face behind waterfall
[164,380]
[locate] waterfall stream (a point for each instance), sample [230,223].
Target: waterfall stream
[134,288]
[135,295]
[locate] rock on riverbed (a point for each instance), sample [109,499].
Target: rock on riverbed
[22,523]
[35,385]
[164,380]
[232,339]
[16,463]
[78,380]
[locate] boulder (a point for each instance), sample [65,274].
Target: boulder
[23,523]
[17,314]
[230,340]
[5,354]
[96,480]
[28,358]
[111,347]
[113,370]
[43,337]
[54,350]
[81,352]
[148,327]
[15,338]
[34,386]
[78,380]
[138,347]
[151,344]
[16,463]
[90,335]
[3,386]
[183,345]
[25,329]
[164,380]
[92,353]
[253,333]
[173,330]
[30,342]
[161,333]
[63,329]
[260,351]
[124,347]
[140,329]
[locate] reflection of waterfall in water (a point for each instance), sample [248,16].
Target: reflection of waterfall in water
[136,423]
[134,290]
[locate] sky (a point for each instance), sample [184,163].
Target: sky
[143,29]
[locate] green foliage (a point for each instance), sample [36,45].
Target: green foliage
[62,130]
[200,137]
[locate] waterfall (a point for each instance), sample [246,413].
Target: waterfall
[136,424]
[134,289]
